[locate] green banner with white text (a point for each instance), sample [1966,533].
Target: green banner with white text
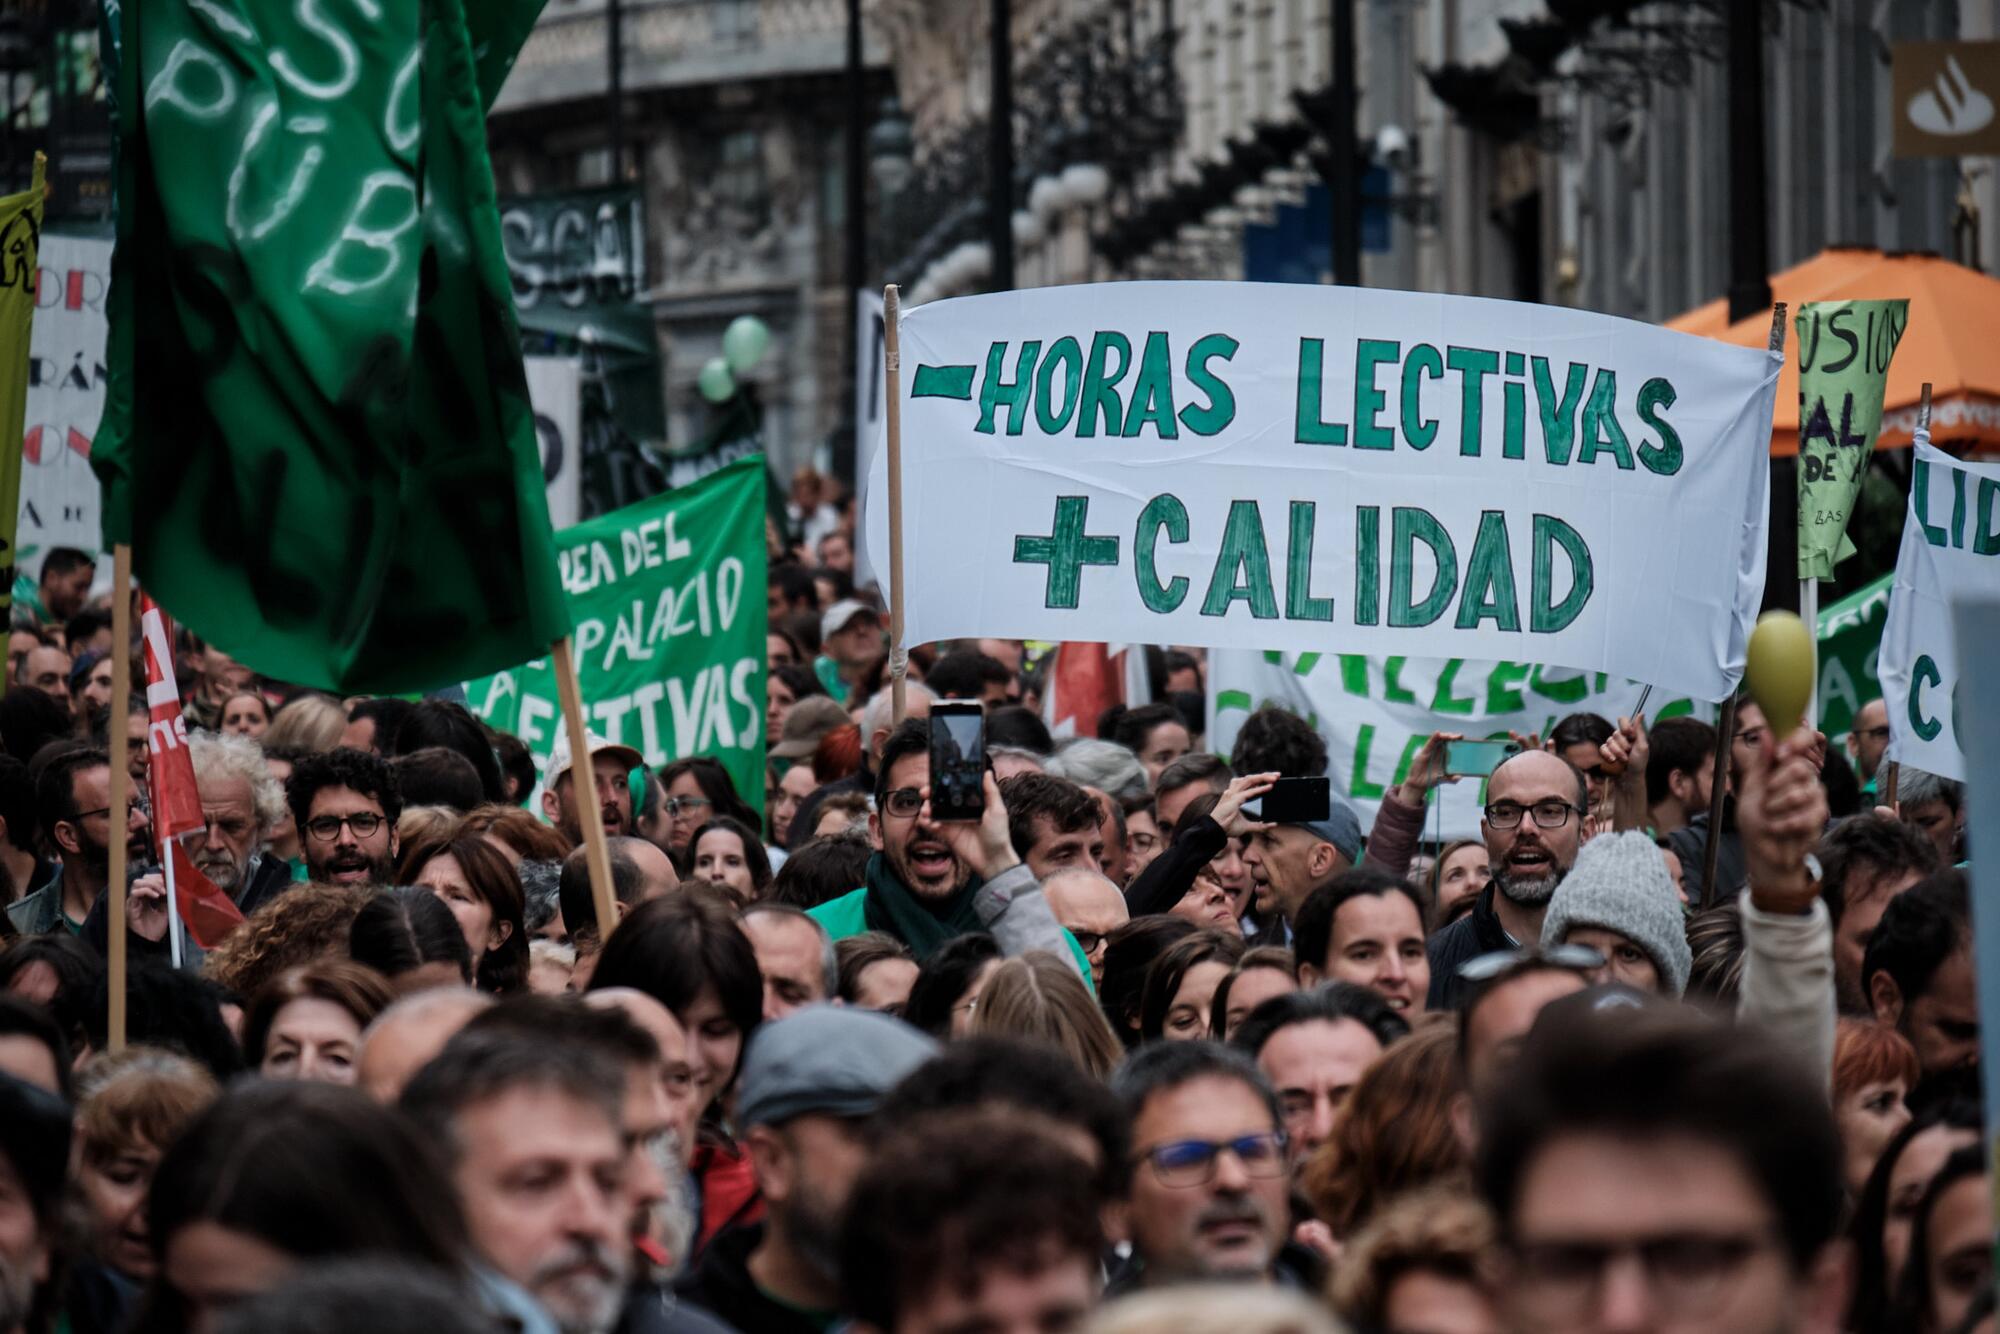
[668,598]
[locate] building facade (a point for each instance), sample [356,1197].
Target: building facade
[732,116]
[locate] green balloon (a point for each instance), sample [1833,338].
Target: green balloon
[744,342]
[717,385]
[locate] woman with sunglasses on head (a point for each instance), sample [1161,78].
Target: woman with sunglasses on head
[699,790]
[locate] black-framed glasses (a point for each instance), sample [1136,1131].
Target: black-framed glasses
[904,802]
[326,828]
[686,805]
[1186,1163]
[1087,941]
[1550,814]
[1569,958]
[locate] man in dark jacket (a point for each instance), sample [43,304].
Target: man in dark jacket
[809,1081]
[1536,804]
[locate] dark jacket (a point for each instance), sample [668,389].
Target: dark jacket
[652,1310]
[1690,844]
[1295,1266]
[1478,932]
[721,1283]
[1169,876]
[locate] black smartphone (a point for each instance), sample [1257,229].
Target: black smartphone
[1293,800]
[958,761]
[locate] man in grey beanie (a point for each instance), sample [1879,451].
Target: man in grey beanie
[1619,900]
[809,1081]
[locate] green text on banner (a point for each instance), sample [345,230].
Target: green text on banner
[1950,555]
[1844,352]
[1288,466]
[668,597]
[1374,714]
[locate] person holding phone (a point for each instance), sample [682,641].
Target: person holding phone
[934,879]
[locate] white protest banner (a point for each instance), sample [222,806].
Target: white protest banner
[870,383]
[60,504]
[1303,467]
[1375,713]
[1950,554]
[555,388]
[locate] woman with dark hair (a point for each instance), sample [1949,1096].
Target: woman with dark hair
[1262,972]
[274,1174]
[307,1024]
[946,992]
[1129,952]
[785,687]
[687,952]
[698,790]
[476,882]
[822,870]
[438,722]
[1885,1214]
[59,973]
[726,853]
[247,713]
[1155,733]
[877,972]
[1951,1247]
[409,936]
[1180,986]
[29,720]
[1456,878]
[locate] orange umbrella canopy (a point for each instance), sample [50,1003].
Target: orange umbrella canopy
[1953,341]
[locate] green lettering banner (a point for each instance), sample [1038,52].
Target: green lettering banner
[668,597]
[1844,353]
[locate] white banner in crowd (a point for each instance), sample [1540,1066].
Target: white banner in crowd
[1950,554]
[1375,713]
[1298,467]
[60,504]
[555,388]
[870,383]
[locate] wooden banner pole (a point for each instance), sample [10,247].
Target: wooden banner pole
[583,791]
[1725,734]
[121,787]
[892,364]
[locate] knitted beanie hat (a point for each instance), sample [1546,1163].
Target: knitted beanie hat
[1620,883]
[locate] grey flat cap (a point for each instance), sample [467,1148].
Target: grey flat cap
[831,1059]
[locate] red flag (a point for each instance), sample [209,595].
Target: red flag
[209,913]
[1083,680]
[176,801]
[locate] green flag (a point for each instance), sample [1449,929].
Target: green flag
[668,596]
[1844,353]
[1850,634]
[20,248]
[317,435]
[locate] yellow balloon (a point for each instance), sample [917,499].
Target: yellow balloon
[1779,672]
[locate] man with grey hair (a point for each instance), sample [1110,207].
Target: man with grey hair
[242,803]
[795,955]
[1935,807]
[533,1132]
[1104,765]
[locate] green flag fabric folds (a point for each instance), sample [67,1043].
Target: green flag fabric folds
[317,435]
[1844,352]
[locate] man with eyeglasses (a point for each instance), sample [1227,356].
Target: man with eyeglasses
[73,803]
[1654,1169]
[1868,741]
[1207,1195]
[1534,822]
[810,1082]
[346,804]
[1090,908]
[933,880]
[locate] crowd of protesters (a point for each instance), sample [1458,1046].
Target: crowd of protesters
[1117,1056]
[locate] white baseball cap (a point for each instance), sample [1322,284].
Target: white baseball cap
[559,760]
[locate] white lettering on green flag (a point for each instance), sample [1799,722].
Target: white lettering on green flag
[1950,555]
[1288,466]
[1375,713]
[668,598]
[1844,353]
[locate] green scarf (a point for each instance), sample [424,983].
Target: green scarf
[922,925]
